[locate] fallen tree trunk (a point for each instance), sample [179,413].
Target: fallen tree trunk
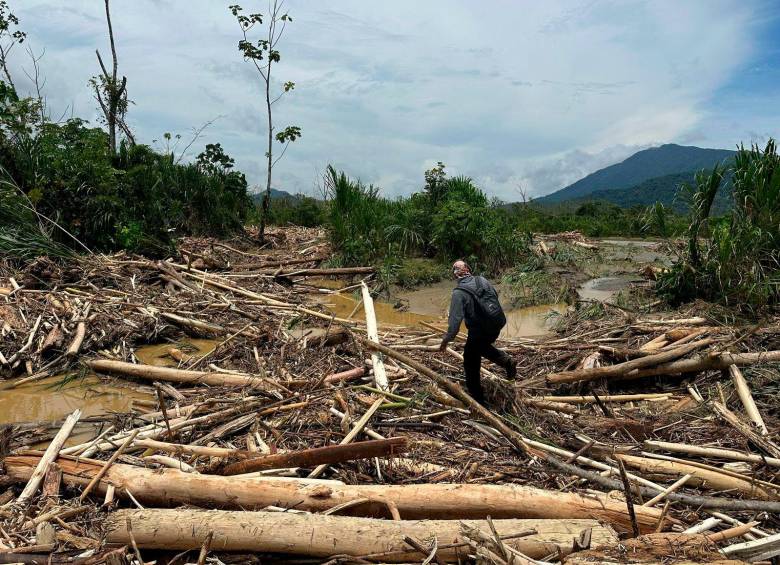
[327,455]
[322,536]
[170,487]
[581,375]
[153,373]
[707,363]
[716,452]
[713,479]
[336,271]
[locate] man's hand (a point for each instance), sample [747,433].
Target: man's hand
[443,345]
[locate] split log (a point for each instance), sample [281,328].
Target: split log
[743,391]
[170,487]
[380,376]
[153,373]
[629,367]
[712,479]
[327,455]
[78,339]
[42,464]
[746,430]
[712,452]
[323,536]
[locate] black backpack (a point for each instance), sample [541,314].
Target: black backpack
[486,306]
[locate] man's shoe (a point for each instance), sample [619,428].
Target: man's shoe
[511,369]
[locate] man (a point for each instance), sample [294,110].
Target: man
[476,301]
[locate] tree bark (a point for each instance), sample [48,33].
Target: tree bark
[323,536]
[327,455]
[168,487]
[153,373]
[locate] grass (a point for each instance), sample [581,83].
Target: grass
[735,259]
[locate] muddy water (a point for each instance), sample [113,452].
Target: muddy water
[54,398]
[605,289]
[159,354]
[430,304]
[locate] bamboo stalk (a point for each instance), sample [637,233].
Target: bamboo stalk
[380,376]
[743,391]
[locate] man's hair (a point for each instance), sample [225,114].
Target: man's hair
[461,270]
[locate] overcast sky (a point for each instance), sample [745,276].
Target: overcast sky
[510,92]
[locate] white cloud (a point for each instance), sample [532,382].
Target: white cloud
[507,92]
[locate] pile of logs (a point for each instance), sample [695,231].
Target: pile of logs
[627,435]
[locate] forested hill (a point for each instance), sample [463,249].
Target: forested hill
[669,159]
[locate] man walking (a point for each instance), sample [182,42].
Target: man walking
[476,301]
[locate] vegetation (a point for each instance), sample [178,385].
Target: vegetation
[734,259]
[449,218]
[137,200]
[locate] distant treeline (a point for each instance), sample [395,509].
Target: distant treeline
[451,217]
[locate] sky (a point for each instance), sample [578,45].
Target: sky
[523,96]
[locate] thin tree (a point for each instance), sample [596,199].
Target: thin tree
[111,93]
[9,38]
[262,53]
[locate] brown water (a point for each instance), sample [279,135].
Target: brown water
[159,354]
[605,289]
[430,304]
[52,399]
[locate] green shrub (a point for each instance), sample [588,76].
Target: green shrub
[734,259]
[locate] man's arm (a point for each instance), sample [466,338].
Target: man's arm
[455,319]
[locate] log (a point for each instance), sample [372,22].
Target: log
[712,479]
[192,323]
[42,464]
[336,271]
[746,430]
[323,536]
[327,455]
[711,452]
[707,363]
[380,376]
[349,375]
[78,339]
[153,373]
[580,399]
[629,367]
[743,391]
[170,487]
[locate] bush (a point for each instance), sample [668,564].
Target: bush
[734,259]
[135,200]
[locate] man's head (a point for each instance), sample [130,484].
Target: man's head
[461,269]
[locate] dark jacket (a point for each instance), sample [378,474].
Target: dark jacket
[462,306]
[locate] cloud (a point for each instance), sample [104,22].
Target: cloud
[535,93]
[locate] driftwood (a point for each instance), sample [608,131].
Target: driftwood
[712,479]
[448,501]
[627,368]
[380,376]
[327,455]
[42,465]
[154,373]
[323,536]
[712,452]
[743,391]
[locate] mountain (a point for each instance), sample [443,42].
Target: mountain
[663,189]
[669,159]
[276,194]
